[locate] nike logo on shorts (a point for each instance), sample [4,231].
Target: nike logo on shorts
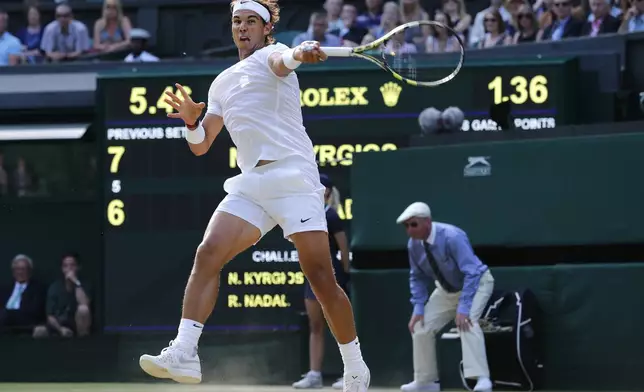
[304,220]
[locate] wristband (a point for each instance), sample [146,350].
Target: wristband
[192,127]
[196,136]
[289,61]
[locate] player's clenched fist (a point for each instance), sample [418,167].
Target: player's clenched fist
[186,108]
[309,52]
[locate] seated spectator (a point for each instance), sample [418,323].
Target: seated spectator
[23,301]
[411,11]
[31,37]
[317,32]
[23,180]
[541,6]
[388,21]
[68,302]
[65,38]
[513,7]
[633,20]
[112,30]
[495,34]
[371,18]
[398,45]
[10,46]
[615,10]
[527,27]
[351,33]
[138,41]
[565,25]
[460,20]
[441,39]
[333,10]
[603,22]
[477,32]
[4,178]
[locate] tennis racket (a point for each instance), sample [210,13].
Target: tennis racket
[394,55]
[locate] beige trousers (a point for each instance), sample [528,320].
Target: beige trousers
[440,310]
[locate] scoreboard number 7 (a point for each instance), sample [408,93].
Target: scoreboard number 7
[117,152]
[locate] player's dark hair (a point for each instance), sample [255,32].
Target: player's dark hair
[273,10]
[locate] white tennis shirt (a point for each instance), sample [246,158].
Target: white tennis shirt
[261,110]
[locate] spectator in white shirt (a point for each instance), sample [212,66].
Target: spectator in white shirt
[139,40]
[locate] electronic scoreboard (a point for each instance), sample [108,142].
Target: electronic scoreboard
[158,197]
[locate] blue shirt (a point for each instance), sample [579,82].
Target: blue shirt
[8,45]
[558,30]
[636,24]
[456,260]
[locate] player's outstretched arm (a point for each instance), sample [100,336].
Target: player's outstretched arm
[285,62]
[200,136]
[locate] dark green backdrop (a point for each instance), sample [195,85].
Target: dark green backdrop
[562,191]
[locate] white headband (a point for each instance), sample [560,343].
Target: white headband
[254,6]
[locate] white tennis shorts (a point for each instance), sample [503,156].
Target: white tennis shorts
[287,193]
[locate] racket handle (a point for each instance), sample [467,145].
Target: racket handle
[337,51]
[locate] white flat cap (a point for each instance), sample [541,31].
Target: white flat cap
[417,209]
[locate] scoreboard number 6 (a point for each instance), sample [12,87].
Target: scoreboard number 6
[115,212]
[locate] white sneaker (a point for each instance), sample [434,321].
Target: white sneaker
[310,381]
[357,381]
[483,385]
[417,387]
[175,363]
[338,384]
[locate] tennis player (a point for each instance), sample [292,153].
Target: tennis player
[258,101]
[339,243]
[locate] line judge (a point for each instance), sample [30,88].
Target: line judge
[442,253]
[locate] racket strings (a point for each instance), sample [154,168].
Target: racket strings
[402,58]
[410,61]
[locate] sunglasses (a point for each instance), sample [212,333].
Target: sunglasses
[529,16]
[489,20]
[563,4]
[410,224]
[63,15]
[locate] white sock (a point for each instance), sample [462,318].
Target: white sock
[351,356]
[189,333]
[315,373]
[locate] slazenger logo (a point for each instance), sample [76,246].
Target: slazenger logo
[477,167]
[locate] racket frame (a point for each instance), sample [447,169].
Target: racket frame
[360,53]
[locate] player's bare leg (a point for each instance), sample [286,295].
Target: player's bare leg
[315,260]
[225,237]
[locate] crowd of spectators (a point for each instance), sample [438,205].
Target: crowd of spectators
[502,22]
[66,38]
[29,307]
[17,180]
